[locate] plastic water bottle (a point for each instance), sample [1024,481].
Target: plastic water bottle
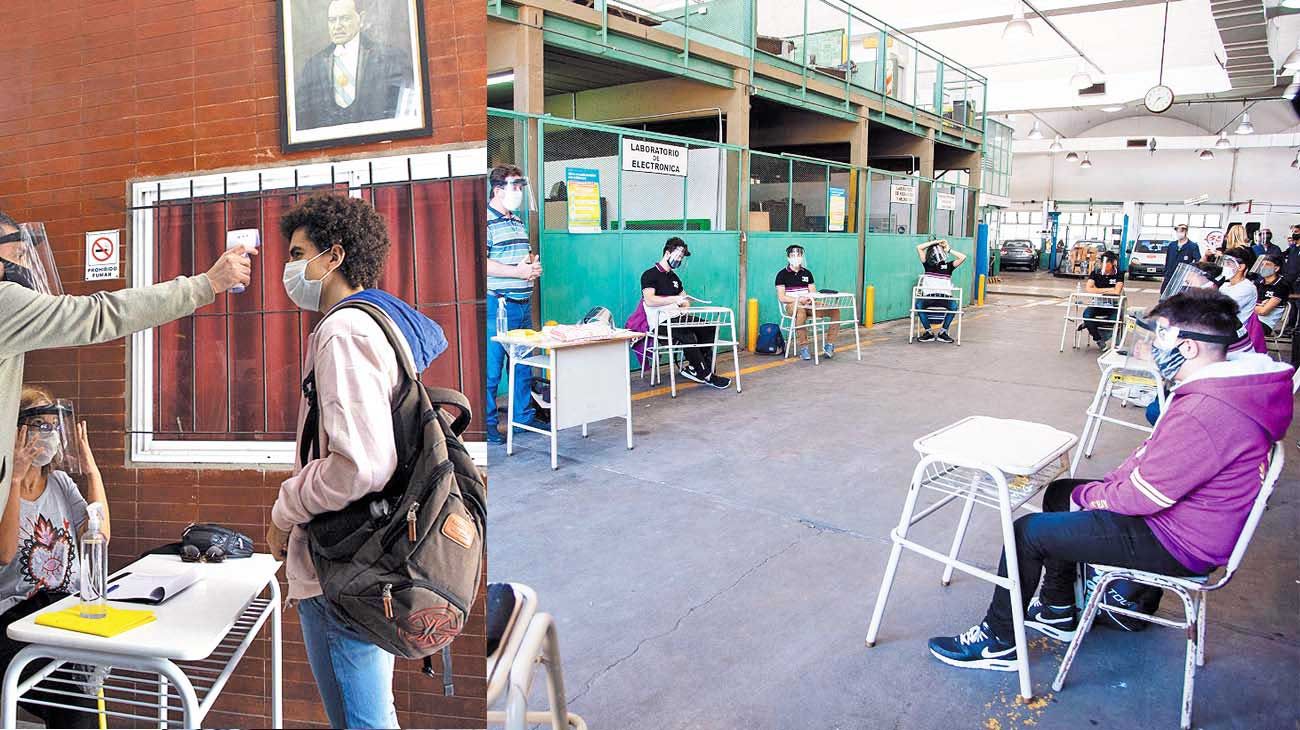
[94,564]
[503,322]
[243,237]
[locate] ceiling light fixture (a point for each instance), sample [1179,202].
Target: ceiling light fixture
[1071,156]
[1113,108]
[1206,155]
[1087,163]
[1222,142]
[1035,133]
[1245,127]
[1017,29]
[1056,144]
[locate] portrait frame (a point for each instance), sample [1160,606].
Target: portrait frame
[390,93]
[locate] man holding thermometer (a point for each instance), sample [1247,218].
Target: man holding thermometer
[666,299]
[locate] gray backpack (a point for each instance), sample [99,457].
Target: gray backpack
[402,566]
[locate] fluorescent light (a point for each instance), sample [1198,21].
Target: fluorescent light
[1087,163]
[1035,133]
[1056,144]
[1222,142]
[1072,156]
[1017,29]
[1206,155]
[505,77]
[1245,127]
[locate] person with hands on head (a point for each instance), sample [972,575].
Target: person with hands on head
[939,261]
[1108,280]
[512,269]
[794,284]
[665,299]
[44,515]
[35,317]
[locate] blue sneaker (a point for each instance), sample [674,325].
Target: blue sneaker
[804,354]
[976,648]
[828,351]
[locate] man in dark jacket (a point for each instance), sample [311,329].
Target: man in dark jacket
[1180,251]
[354,79]
[1168,508]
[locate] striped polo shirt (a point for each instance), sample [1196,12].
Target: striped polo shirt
[507,243]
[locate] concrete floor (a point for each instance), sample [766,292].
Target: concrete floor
[722,574]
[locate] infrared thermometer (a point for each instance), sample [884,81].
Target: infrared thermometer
[251,237]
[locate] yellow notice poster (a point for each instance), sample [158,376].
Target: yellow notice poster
[583,188]
[837,206]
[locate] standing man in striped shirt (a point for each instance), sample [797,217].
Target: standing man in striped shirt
[511,270]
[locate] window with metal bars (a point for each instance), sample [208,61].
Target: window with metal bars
[222,386]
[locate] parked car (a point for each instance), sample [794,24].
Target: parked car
[1019,253]
[1148,259]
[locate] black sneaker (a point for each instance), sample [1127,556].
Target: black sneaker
[1055,623]
[977,648]
[689,373]
[926,336]
[719,382]
[943,337]
[494,436]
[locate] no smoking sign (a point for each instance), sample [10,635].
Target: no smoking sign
[103,255]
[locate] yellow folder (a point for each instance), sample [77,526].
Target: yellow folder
[117,621]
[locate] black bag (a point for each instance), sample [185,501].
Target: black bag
[770,340]
[204,535]
[1137,597]
[402,566]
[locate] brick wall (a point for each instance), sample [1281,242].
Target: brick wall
[96,94]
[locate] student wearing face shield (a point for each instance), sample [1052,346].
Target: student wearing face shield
[1106,279]
[44,515]
[664,297]
[1176,506]
[511,270]
[1273,292]
[1180,251]
[37,317]
[939,260]
[794,282]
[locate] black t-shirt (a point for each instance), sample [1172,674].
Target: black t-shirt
[943,269]
[1105,281]
[794,280]
[665,283]
[1279,288]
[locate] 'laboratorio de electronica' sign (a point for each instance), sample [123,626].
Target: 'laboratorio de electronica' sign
[656,158]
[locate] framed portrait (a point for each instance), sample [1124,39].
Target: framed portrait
[351,72]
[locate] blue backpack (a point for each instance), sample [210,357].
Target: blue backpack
[770,340]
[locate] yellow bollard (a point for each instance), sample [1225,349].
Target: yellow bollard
[981,294]
[869,308]
[752,320]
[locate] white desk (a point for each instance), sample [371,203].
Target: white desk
[590,381]
[1079,302]
[194,644]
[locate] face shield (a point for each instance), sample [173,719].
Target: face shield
[29,261]
[1231,267]
[54,428]
[936,254]
[794,257]
[516,196]
[1264,269]
[599,315]
[1184,277]
[677,258]
[1159,344]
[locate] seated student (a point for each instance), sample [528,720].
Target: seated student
[43,518]
[665,299]
[1236,263]
[1107,279]
[1167,509]
[791,282]
[934,257]
[1273,294]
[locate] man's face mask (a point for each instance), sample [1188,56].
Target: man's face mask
[1162,344]
[795,260]
[676,259]
[1268,272]
[1231,267]
[512,193]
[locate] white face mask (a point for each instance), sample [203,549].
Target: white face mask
[512,199]
[302,291]
[795,261]
[49,446]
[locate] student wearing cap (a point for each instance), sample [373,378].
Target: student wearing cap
[1107,280]
[796,281]
[665,298]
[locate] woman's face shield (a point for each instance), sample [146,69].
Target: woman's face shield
[28,259]
[1231,267]
[1185,277]
[53,427]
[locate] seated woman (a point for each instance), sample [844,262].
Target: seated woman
[934,257]
[43,517]
[795,281]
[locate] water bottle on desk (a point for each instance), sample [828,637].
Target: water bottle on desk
[503,322]
[94,564]
[250,237]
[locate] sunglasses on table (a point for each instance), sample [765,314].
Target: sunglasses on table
[191,554]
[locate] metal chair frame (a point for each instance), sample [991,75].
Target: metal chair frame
[529,641]
[660,344]
[819,323]
[1080,301]
[917,295]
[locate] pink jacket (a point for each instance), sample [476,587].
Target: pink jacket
[357,376]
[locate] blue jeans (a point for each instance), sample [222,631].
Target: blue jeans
[355,677]
[927,319]
[517,316]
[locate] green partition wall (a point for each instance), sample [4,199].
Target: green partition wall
[892,267]
[832,257]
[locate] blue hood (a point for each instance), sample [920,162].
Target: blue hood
[423,335]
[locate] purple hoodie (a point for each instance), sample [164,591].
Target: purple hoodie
[1195,478]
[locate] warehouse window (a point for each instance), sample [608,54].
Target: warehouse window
[222,386]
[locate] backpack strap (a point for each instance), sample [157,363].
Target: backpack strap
[457,400]
[448,687]
[309,448]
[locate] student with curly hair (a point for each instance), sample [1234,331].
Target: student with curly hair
[337,250]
